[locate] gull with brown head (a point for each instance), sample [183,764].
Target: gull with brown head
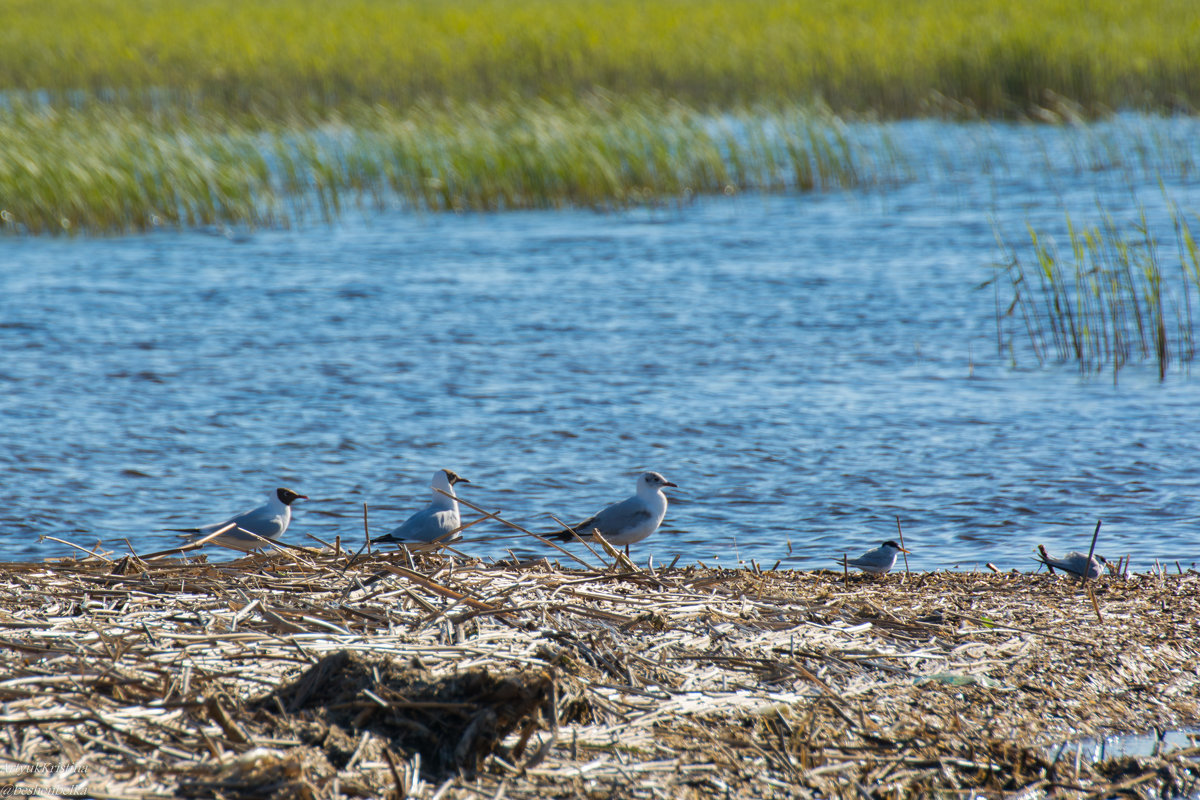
[437,523]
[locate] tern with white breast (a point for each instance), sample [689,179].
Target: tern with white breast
[880,560]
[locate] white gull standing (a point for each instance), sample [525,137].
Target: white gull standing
[268,521]
[628,521]
[437,520]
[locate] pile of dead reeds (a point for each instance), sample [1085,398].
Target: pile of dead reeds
[313,673]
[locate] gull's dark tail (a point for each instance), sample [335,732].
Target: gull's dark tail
[568,534]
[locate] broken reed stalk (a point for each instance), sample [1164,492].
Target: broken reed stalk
[581,540]
[366,530]
[1087,565]
[91,552]
[517,527]
[196,545]
[335,545]
[902,547]
[1095,604]
[1045,558]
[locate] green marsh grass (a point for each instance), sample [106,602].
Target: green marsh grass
[126,114]
[110,169]
[113,169]
[895,58]
[1112,298]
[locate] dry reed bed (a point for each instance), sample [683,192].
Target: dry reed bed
[311,674]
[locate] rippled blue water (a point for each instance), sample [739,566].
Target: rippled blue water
[806,367]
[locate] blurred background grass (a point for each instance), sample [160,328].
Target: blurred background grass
[123,115]
[896,58]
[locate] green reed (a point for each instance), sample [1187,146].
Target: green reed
[108,169]
[115,170]
[1113,299]
[897,58]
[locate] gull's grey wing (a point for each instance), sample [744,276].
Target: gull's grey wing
[250,525]
[262,520]
[618,517]
[423,527]
[611,522]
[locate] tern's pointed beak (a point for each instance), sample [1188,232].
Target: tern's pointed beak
[902,550]
[674,485]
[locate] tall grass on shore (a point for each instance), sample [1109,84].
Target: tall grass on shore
[112,169]
[1113,299]
[897,58]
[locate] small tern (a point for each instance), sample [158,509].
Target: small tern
[420,531]
[880,560]
[268,521]
[1073,563]
[628,521]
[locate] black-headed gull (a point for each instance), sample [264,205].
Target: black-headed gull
[879,560]
[268,521]
[1073,563]
[433,522]
[630,520]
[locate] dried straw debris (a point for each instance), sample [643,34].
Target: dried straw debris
[311,674]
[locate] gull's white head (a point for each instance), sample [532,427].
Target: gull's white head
[652,482]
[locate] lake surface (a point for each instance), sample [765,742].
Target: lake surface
[807,367]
